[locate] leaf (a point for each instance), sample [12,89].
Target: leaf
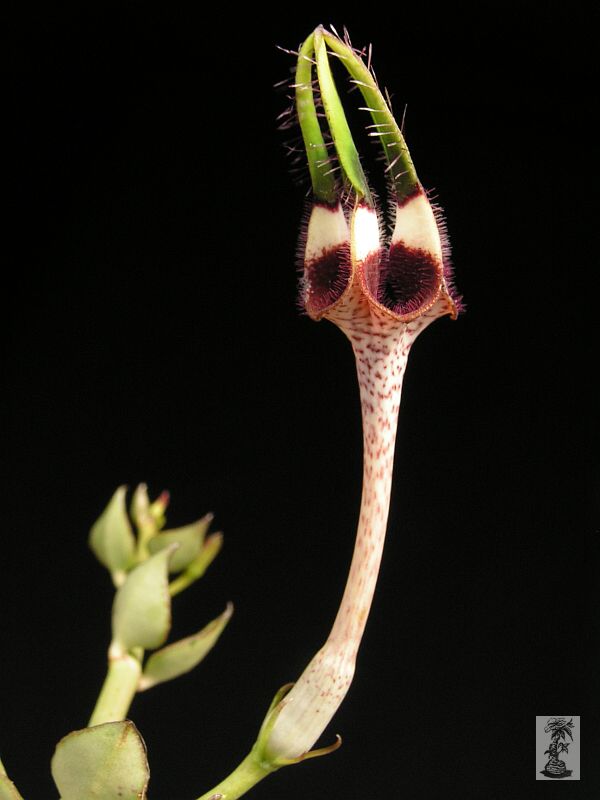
[182,656]
[111,537]
[8,791]
[106,762]
[142,606]
[569,732]
[190,539]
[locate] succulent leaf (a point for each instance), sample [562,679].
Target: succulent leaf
[180,657]
[106,762]
[190,539]
[111,537]
[142,606]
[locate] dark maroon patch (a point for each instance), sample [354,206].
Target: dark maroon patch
[409,279]
[325,279]
[371,269]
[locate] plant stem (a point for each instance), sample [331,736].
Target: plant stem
[2,770]
[119,688]
[249,772]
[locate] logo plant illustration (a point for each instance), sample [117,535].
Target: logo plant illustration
[559,728]
[382,292]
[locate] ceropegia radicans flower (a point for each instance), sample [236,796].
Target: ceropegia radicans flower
[381,295]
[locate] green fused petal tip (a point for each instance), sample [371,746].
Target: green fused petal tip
[338,125]
[400,167]
[314,58]
[322,178]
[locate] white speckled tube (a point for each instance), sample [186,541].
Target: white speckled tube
[318,693]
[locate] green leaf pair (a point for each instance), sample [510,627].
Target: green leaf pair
[142,607]
[142,619]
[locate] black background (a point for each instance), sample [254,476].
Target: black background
[154,336]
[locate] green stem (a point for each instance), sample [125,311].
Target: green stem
[119,688]
[2,770]
[251,770]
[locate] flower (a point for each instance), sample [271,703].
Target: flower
[381,297]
